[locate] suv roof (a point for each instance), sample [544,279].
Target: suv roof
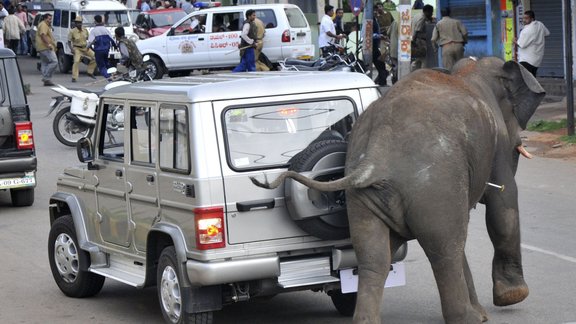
[223,86]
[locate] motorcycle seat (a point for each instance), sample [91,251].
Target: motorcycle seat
[303,63]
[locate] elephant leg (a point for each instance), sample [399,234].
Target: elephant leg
[502,221]
[370,237]
[444,247]
[472,291]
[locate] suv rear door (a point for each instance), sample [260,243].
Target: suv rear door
[300,34]
[257,139]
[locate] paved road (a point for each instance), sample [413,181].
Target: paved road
[547,199]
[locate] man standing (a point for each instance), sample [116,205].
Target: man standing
[13,29]
[100,40]
[77,42]
[379,64]
[22,14]
[145,6]
[327,34]
[531,42]
[419,40]
[384,18]
[247,44]
[46,46]
[451,35]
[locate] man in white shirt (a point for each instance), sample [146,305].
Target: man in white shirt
[327,34]
[531,42]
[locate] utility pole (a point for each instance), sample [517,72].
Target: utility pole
[569,66]
[368,32]
[405,38]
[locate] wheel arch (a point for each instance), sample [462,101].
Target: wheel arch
[62,204]
[161,236]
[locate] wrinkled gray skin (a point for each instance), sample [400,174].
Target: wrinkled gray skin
[418,160]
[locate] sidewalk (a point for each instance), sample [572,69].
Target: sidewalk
[553,107]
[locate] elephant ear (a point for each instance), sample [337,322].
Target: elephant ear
[525,91]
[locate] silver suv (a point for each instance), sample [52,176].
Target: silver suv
[166,199]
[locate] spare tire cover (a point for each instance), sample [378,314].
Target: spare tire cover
[322,214]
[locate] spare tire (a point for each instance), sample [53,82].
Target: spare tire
[322,214]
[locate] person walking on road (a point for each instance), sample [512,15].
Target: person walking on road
[46,47]
[13,29]
[451,35]
[100,40]
[260,33]
[248,42]
[419,37]
[131,56]
[77,41]
[531,42]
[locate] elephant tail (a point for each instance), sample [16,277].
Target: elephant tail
[359,178]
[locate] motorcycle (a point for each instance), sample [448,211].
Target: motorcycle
[76,108]
[338,59]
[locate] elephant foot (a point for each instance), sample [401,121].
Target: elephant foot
[505,295]
[482,312]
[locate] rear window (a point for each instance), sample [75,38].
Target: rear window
[269,136]
[296,18]
[268,18]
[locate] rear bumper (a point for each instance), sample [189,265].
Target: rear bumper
[17,164]
[266,267]
[18,172]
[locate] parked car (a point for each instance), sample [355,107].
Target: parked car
[17,151]
[166,198]
[37,9]
[209,39]
[156,22]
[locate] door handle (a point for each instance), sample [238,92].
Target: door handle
[249,205]
[118,173]
[150,178]
[200,39]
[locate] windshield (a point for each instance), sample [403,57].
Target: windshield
[166,19]
[114,18]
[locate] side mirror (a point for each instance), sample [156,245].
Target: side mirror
[146,58]
[85,152]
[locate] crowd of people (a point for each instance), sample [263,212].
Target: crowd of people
[449,35]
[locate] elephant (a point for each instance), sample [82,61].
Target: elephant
[418,160]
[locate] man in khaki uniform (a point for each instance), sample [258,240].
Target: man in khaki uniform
[260,33]
[77,41]
[451,35]
[46,47]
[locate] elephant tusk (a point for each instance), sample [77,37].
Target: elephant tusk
[523,151]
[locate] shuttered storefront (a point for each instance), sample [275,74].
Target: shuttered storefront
[549,12]
[473,14]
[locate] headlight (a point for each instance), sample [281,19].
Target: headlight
[133,37]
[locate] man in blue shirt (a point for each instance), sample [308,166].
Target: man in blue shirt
[101,40]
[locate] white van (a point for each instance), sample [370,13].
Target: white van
[209,38]
[114,13]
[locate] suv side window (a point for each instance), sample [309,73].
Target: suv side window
[56,18]
[65,18]
[174,140]
[269,136]
[268,18]
[142,136]
[225,22]
[112,133]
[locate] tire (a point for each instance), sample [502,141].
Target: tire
[64,61]
[67,131]
[170,295]
[69,263]
[344,303]
[22,197]
[321,155]
[155,68]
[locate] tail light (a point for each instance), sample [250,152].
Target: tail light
[24,136]
[210,232]
[286,36]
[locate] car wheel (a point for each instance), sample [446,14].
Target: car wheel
[22,197]
[172,300]
[64,61]
[344,303]
[155,68]
[332,222]
[69,263]
[67,130]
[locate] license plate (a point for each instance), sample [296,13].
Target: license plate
[396,278]
[26,181]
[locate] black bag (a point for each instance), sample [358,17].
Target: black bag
[418,47]
[264,59]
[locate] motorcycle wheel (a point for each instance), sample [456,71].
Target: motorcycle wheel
[66,130]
